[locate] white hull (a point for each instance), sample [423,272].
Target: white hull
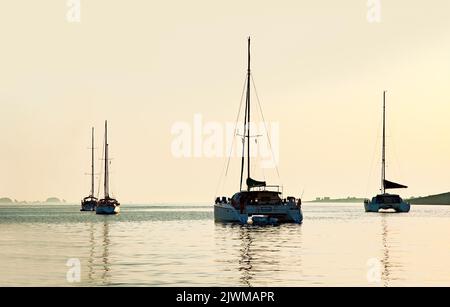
[226,213]
[107,209]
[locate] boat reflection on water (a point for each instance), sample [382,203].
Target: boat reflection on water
[253,256]
[90,265]
[385,262]
[246,259]
[392,268]
[105,256]
[98,262]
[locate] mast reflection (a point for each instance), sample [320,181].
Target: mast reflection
[98,262]
[91,271]
[385,262]
[246,259]
[105,256]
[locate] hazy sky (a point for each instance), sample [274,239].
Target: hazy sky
[320,68]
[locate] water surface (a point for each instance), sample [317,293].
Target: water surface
[180,245]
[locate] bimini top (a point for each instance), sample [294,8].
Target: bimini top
[252,183]
[263,196]
[90,198]
[388,199]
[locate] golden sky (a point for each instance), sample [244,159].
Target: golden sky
[320,68]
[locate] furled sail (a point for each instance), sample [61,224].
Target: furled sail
[252,183]
[392,185]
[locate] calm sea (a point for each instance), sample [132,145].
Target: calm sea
[174,245]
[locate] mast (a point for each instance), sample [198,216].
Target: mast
[248,116]
[383,154]
[248,113]
[246,123]
[243,145]
[106,162]
[92,164]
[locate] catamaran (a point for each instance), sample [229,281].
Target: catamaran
[386,200]
[89,203]
[259,203]
[107,205]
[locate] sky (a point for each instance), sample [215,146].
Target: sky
[320,68]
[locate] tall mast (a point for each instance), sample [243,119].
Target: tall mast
[106,162]
[383,155]
[248,110]
[246,123]
[92,164]
[243,145]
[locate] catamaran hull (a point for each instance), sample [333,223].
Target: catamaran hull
[225,213]
[375,207]
[296,216]
[107,210]
[87,207]
[228,214]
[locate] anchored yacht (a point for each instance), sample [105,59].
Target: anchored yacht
[107,205]
[386,200]
[258,203]
[89,203]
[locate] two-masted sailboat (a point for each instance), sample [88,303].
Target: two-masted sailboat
[386,200]
[258,203]
[107,205]
[89,203]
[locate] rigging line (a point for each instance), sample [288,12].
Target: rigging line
[101,172]
[398,169]
[235,125]
[246,126]
[265,126]
[225,171]
[111,182]
[373,158]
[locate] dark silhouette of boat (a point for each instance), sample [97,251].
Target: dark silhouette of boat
[386,200]
[107,205]
[262,203]
[89,203]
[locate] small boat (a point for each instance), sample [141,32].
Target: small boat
[263,220]
[385,200]
[259,202]
[89,203]
[107,205]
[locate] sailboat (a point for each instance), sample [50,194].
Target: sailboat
[386,200]
[90,202]
[259,203]
[107,205]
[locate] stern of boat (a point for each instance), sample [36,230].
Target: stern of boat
[108,206]
[295,216]
[88,204]
[402,207]
[225,213]
[371,206]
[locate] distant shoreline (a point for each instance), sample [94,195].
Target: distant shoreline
[442,199]
[50,200]
[357,203]
[337,200]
